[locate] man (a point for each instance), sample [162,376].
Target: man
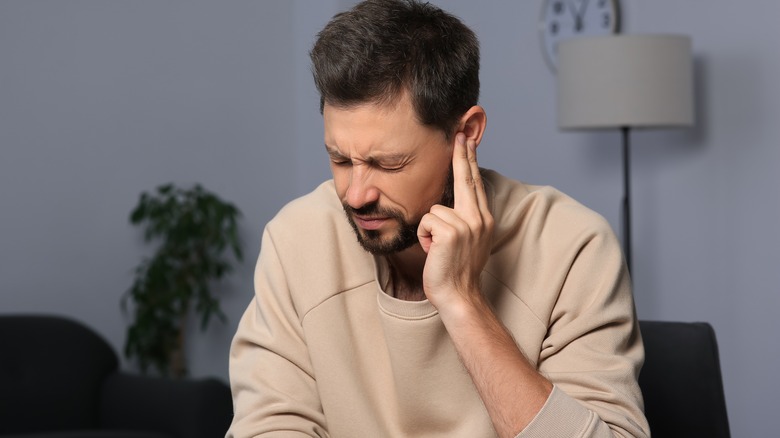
[469,305]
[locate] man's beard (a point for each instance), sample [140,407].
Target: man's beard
[406,233]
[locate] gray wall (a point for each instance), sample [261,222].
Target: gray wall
[100,100]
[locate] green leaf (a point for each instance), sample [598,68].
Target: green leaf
[195,228]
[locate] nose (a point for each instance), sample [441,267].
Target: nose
[361,191]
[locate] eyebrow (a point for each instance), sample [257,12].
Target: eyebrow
[334,153]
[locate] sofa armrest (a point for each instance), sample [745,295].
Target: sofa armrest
[182,408]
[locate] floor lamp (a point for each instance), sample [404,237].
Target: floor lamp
[625,82]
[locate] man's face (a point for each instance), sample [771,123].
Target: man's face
[389,170]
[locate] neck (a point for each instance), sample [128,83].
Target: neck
[406,270]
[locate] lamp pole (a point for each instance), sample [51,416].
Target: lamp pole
[626,131]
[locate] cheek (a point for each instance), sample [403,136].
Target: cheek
[420,194]
[340,180]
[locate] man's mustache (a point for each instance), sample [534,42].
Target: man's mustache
[372,209]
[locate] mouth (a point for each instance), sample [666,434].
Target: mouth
[369,223]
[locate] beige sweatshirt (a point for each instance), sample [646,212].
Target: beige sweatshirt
[322,350]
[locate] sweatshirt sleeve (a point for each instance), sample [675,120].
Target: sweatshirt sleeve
[593,349]
[271,377]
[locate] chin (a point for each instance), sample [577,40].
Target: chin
[376,244]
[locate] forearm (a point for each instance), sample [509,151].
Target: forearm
[510,387]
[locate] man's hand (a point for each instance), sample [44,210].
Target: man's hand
[457,240]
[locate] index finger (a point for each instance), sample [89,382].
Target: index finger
[476,175]
[464,184]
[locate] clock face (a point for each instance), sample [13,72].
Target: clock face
[563,19]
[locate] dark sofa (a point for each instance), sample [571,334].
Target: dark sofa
[59,379]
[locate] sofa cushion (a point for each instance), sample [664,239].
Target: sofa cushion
[184,408]
[91,434]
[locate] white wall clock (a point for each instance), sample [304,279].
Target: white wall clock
[572,18]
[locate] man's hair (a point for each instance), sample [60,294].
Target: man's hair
[381,48]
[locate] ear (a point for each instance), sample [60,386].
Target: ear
[473,124]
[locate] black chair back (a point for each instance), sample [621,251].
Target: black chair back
[51,370]
[681,381]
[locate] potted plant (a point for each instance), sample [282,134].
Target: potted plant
[197,233]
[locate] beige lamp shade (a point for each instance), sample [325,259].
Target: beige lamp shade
[625,81]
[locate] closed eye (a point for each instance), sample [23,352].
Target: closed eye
[389,164]
[390,168]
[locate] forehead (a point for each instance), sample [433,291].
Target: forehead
[387,127]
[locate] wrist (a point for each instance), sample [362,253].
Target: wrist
[465,310]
